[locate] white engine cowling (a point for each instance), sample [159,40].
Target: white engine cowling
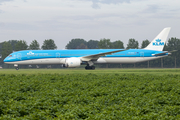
[72,62]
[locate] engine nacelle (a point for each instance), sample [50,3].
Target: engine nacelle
[72,62]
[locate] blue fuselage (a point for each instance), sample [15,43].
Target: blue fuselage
[49,54]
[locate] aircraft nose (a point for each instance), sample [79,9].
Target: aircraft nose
[5,60]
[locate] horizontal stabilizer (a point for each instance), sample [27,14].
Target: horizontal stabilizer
[164,53]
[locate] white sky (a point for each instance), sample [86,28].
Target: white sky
[63,20]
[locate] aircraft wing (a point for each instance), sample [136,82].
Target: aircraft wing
[96,56]
[169,52]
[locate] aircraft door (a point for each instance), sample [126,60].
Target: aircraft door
[142,54]
[57,55]
[19,56]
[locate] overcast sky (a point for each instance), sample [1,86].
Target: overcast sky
[63,20]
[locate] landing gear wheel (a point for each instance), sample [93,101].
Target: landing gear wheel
[87,67]
[17,68]
[93,67]
[90,67]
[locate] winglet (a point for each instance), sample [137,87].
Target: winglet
[159,41]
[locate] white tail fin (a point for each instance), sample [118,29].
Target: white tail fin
[159,41]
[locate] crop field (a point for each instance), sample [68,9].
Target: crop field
[106,94]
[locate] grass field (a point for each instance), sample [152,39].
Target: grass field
[97,71]
[116,94]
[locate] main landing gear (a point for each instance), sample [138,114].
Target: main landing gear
[90,67]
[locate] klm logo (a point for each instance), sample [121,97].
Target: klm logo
[30,53]
[158,43]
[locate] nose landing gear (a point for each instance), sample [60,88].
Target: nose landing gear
[16,66]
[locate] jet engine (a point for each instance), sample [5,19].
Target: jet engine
[72,62]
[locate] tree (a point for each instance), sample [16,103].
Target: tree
[104,44]
[82,46]
[21,45]
[145,43]
[1,44]
[118,45]
[6,49]
[132,44]
[13,43]
[34,45]
[173,44]
[92,44]
[49,45]
[77,44]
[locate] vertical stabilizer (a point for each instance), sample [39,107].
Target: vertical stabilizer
[159,41]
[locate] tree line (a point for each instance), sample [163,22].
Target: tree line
[173,60]
[104,44]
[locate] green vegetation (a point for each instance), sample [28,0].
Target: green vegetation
[100,94]
[97,71]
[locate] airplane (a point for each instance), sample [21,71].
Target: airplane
[77,57]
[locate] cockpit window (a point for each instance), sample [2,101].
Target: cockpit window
[10,55]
